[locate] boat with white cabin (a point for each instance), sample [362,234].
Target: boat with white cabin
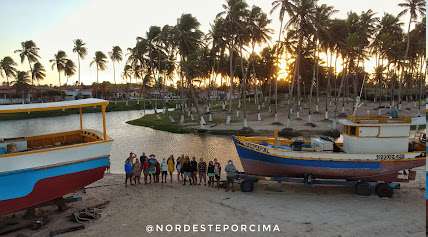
[373,149]
[38,169]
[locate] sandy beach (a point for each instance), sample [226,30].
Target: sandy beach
[296,209]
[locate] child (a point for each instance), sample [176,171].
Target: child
[164,169]
[211,174]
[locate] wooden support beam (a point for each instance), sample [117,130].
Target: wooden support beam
[81,118]
[103,111]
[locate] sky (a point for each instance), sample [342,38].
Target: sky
[54,24]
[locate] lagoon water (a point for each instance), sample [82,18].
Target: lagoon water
[129,138]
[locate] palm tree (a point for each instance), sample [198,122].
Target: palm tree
[415,8]
[127,73]
[58,62]
[7,68]
[29,51]
[284,6]
[302,14]
[81,51]
[188,38]
[22,83]
[115,56]
[38,72]
[234,13]
[322,23]
[69,69]
[259,34]
[100,60]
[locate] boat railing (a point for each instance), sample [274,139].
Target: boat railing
[378,119]
[53,140]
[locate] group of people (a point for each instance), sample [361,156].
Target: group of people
[188,170]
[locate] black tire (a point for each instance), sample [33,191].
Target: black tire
[363,189]
[247,186]
[384,190]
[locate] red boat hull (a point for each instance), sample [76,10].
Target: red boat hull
[52,188]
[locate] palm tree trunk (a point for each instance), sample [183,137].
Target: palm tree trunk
[114,74]
[244,79]
[78,62]
[59,79]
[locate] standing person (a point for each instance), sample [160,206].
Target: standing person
[164,170]
[230,174]
[136,171]
[128,171]
[217,172]
[142,158]
[146,166]
[211,174]
[158,171]
[202,167]
[187,170]
[179,166]
[152,168]
[171,166]
[194,167]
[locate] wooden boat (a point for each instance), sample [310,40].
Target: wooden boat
[38,169]
[373,149]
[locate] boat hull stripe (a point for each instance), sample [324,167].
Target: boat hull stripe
[52,188]
[17,185]
[249,154]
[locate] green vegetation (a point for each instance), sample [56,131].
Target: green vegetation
[161,122]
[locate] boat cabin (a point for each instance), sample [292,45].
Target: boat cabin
[375,134]
[11,146]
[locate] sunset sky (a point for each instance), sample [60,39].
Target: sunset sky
[54,24]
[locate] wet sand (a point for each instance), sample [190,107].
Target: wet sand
[296,209]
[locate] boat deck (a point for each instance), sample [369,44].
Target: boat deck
[24,144]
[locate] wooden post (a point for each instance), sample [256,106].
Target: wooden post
[103,110]
[81,118]
[276,136]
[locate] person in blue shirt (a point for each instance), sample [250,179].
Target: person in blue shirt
[128,169]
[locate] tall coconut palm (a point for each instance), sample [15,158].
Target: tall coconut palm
[127,73]
[29,51]
[69,69]
[115,56]
[100,61]
[234,12]
[259,34]
[58,62]
[39,72]
[81,51]
[414,8]
[322,23]
[284,6]
[188,38]
[22,83]
[7,68]
[302,18]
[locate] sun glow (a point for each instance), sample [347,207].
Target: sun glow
[283,69]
